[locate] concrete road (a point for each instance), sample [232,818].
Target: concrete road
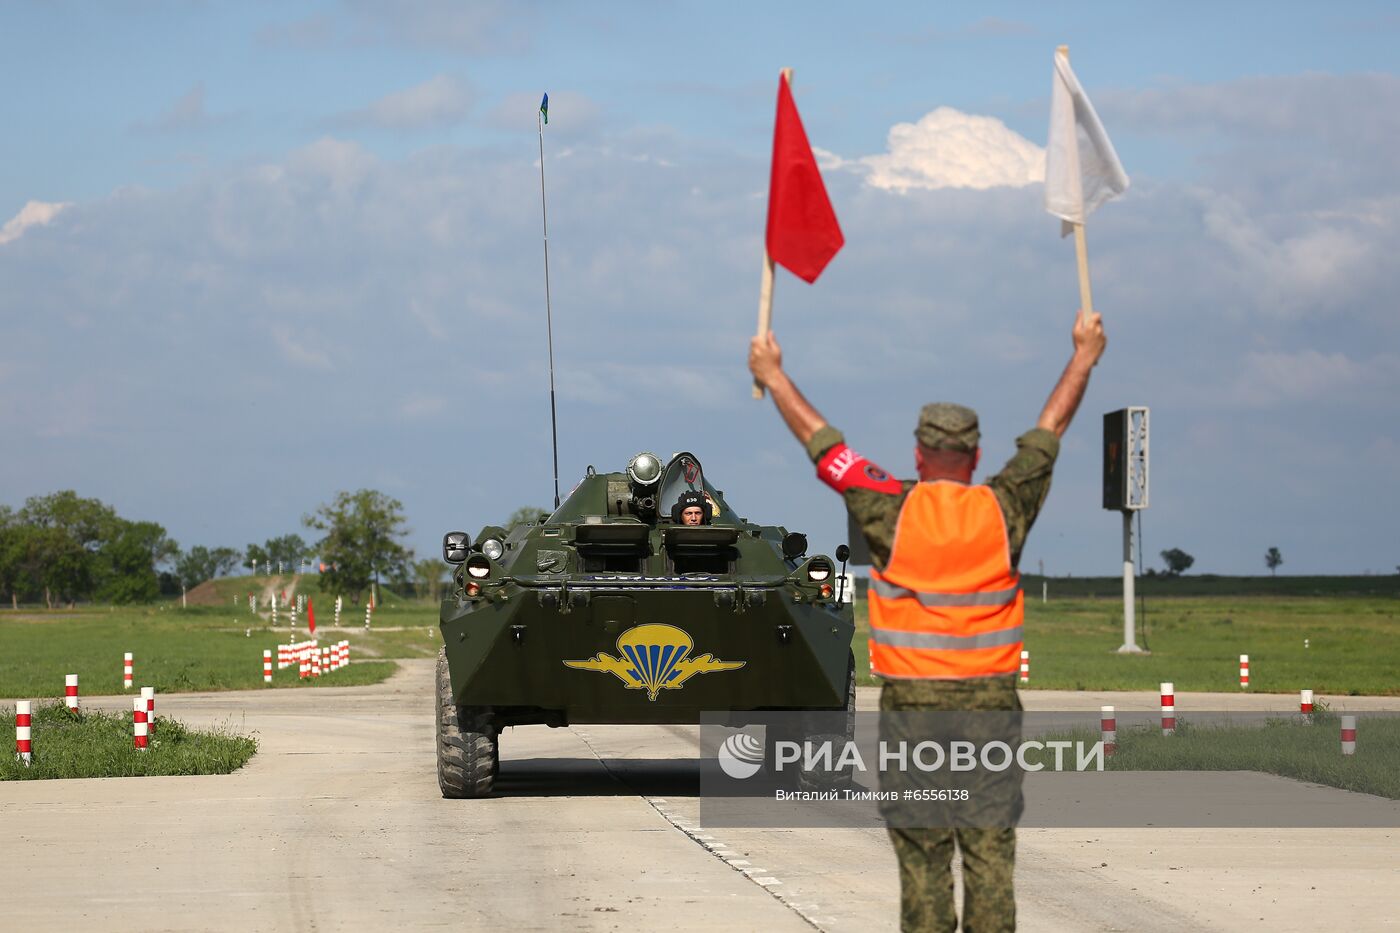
[337,824]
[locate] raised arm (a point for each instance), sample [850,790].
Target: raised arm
[766,364]
[1089,343]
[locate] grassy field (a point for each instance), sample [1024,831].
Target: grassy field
[1209,584]
[1353,644]
[98,744]
[1286,747]
[195,649]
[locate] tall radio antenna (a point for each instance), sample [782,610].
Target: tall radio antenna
[540,120]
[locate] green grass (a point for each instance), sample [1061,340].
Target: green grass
[196,649]
[98,744]
[1354,645]
[1287,747]
[1209,584]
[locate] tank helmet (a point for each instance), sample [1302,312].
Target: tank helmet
[691,499]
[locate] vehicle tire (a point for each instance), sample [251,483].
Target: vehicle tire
[818,727]
[467,754]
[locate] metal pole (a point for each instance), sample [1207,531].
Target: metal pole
[548,315]
[1130,645]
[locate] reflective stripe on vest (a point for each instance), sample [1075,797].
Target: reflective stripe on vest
[948,604]
[995,598]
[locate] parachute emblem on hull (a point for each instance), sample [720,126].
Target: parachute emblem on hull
[654,657]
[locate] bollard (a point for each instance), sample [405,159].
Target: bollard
[304,666]
[1025,667]
[326,664]
[148,694]
[126,671]
[1305,703]
[24,750]
[70,692]
[1108,726]
[1244,671]
[267,665]
[337,612]
[1305,642]
[315,656]
[138,723]
[368,609]
[1168,709]
[1348,735]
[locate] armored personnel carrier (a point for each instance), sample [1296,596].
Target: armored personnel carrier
[615,610]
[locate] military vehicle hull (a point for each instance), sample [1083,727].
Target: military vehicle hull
[514,656]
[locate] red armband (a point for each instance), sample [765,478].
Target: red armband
[842,468]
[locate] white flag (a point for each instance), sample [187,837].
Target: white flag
[1081,169]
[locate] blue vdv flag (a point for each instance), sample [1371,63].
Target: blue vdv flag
[544,108]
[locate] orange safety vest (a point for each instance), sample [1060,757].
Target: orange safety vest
[948,605]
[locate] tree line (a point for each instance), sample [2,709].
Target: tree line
[62,548]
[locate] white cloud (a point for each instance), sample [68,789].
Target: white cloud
[187,112]
[439,101]
[33,214]
[301,350]
[1275,378]
[951,149]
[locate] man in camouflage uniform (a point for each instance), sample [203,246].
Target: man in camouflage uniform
[947,449]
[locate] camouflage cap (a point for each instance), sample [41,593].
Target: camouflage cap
[943,425]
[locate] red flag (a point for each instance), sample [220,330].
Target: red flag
[803,233]
[310,616]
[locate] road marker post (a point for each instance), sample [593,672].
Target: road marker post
[126,671]
[1348,735]
[24,748]
[148,695]
[1168,709]
[1305,704]
[1025,667]
[139,727]
[70,692]
[1108,726]
[1244,672]
[267,665]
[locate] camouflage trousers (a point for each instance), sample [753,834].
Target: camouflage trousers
[926,854]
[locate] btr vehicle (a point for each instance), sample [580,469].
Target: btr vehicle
[613,610]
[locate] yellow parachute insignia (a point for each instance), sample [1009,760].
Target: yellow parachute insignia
[653,658]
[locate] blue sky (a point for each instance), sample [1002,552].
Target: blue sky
[256,253]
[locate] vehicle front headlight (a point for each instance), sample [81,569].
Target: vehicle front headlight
[478,566]
[818,570]
[492,548]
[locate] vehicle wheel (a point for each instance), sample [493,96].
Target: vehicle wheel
[817,727]
[467,754]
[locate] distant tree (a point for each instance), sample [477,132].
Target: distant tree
[130,559]
[200,563]
[255,556]
[1177,561]
[428,575]
[1272,559]
[67,533]
[526,513]
[361,540]
[287,551]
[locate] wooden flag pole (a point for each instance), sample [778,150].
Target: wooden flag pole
[1081,247]
[765,290]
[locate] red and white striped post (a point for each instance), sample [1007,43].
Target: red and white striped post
[326,664]
[24,749]
[303,666]
[267,665]
[1305,704]
[1244,672]
[126,671]
[1168,709]
[1108,725]
[368,609]
[345,653]
[1348,735]
[1025,667]
[138,723]
[70,692]
[315,661]
[148,695]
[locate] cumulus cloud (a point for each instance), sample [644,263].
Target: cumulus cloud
[33,214]
[439,101]
[950,149]
[1277,378]
[187,112]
